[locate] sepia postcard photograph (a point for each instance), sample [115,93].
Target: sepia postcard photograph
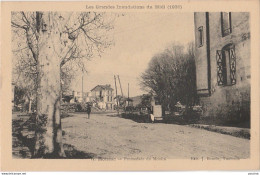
[130,85]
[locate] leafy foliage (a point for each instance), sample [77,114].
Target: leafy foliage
[171,76]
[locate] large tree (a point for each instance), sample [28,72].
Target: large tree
[171,76]
[53,41]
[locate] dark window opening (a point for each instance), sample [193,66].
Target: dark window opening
[226,66]
[226,23]
[200,30]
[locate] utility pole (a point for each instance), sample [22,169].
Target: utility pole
[121,91]
[128,96]
[116,96]
[82,84]
[120,86]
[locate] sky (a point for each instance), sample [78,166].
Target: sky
[138,37]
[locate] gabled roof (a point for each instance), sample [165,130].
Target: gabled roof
[136,97]
[102,87]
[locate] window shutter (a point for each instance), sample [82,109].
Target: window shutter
[232,57]
[220,68]
[200,29]
[226,23]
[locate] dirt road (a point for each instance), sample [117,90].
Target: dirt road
[115,137]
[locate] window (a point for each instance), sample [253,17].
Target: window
[226,23]
[200,30]
[226,66]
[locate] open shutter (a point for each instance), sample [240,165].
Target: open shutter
[232,60]
[220,68]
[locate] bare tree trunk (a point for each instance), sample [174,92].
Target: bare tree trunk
[58,146]
[30,106]
[48,124]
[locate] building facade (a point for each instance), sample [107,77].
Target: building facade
[76,97]
[103,96]
[222,58]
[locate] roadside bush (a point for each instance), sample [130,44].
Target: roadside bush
[136,117]
[79,108]
[191,115]
[130,108]
[67,107]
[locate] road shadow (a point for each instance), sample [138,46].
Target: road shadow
[208,121]
[23,142]
[134,117]
[185,120]
[72,153]
[145,118]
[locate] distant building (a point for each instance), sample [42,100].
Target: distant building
[222,57]
[87,97]
[78,97]
[136,101]
[75,96]
[103,96]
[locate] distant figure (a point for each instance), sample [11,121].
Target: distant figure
[88,110]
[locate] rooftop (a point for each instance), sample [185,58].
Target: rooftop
[103,87]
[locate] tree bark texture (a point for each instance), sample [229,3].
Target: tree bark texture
[30,105]
[48,134]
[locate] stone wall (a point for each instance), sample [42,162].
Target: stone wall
[201,54]
[231,101]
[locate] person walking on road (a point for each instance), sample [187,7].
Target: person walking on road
[88,110]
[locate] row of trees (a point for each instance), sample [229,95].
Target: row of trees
[47,48]
[171,76]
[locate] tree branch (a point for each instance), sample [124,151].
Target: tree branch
[31,47]
[18,26]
